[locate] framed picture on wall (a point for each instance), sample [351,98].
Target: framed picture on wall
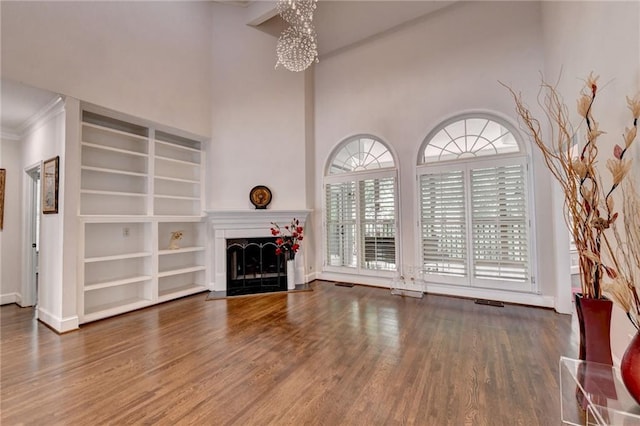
[3,177]
[50,185]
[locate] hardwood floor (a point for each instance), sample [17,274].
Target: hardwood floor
[333,356]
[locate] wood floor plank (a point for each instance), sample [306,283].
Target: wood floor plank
[333,356]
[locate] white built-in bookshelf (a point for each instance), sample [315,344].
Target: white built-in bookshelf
[138,185]
[118,267]
[178,163]
[181,271]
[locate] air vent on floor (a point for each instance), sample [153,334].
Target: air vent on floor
[489,302]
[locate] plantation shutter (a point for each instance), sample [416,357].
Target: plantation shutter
[378,223]
[341,223]
[500,223]
[442,223]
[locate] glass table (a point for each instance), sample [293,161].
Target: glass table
[593,394]
[411,283]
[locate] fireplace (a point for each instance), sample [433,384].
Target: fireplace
[253,267]
[242,226]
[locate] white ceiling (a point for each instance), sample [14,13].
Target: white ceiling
[19,103]
[339,25]
[344,23]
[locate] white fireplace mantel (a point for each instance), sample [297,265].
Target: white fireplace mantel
[228,224]
[258,218]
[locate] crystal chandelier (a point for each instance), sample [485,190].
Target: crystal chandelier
[297,46]
[296,12]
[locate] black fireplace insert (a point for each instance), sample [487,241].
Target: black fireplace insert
[253,266]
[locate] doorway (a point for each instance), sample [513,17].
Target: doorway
[32,246]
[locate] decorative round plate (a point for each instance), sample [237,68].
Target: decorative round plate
[260,196]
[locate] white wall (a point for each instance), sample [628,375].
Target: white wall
[70,193]
[45,140]
[196,66]
[147,59]
[603,37]
[11,235]
[401,85]
[258,125]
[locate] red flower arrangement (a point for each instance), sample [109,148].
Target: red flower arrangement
[288,241]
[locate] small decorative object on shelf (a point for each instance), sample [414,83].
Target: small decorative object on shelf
[260,196]
[175,237]
[288,242]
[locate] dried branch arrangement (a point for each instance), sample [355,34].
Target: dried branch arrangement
[589,205]
[625,287]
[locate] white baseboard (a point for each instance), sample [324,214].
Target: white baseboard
[489,294]
[60,325]
[448,290]
[531,299]
[311,276]
[384,282]
[8,298]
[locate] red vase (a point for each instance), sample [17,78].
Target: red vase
[594,319]
[630,368]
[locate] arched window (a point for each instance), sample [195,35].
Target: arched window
[360,207]
[361,153]
[474,205]
[468,138]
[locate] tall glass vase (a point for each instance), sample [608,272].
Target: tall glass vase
[291,274]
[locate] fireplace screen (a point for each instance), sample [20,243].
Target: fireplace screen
[254,267]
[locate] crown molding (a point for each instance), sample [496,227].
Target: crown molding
[53,108]
[9,134]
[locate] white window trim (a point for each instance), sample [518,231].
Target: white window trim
[356,177]
[492,116]
[342,145]
[459,284]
